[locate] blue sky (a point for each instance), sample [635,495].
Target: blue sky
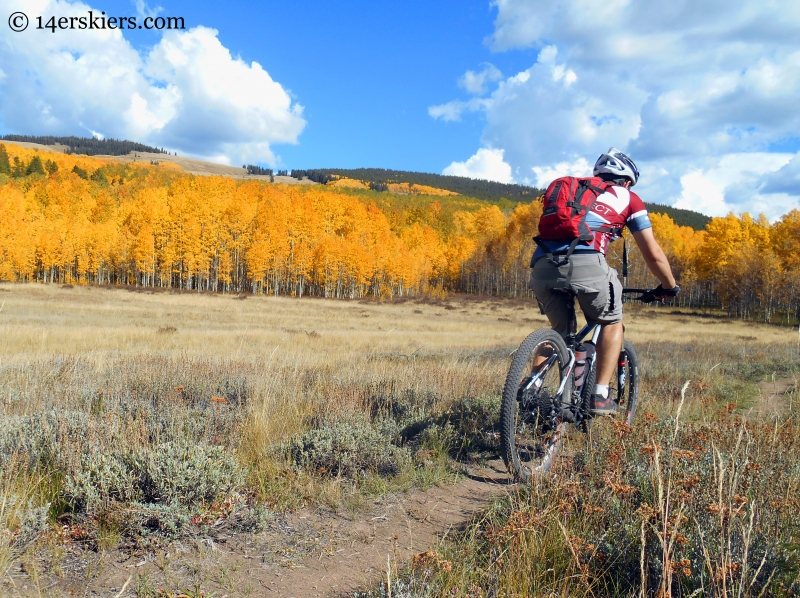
[364,72]
[703,96]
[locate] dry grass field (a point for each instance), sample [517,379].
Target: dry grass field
[130,419]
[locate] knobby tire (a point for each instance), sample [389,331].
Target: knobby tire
[537,456]
[628,398]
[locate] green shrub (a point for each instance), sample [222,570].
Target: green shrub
[168,520]
[166,474]
[474,421]
[469,425]
[350,448]
[184,473]
[254,519]
[100,481]
[42,437]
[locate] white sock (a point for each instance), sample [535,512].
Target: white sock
[602,390]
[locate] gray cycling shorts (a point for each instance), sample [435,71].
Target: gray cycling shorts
[597,287]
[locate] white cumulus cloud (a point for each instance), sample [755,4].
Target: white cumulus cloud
[452,111]
[487,164]
[685,88]
[476,82]
[186,93]
[733,180]
[546,174]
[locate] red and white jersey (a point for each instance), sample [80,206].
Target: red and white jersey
[618,207]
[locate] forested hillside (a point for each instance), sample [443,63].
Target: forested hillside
[379,179]
[88,146]
[74,219]
[682,217]
[480,189]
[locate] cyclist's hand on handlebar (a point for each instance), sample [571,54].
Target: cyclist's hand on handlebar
[659,294]
[648,297]
[663,293]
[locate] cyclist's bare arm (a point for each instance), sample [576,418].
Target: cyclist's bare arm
[654,257]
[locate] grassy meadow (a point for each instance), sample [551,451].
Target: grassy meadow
[129,419]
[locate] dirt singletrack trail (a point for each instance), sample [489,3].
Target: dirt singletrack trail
[407,525]
[309,553]
[776,396]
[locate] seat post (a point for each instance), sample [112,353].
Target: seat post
[572,331]
[572,328]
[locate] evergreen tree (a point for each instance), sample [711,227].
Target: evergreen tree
[5,165]
[378,186]
[35,167]
[252,169]
[99,176]
[51,167]
[18,169]
[80,172]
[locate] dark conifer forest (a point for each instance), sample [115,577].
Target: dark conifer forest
[88,146]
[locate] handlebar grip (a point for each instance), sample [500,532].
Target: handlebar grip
[649,297]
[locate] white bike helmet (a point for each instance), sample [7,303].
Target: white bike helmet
[616,164]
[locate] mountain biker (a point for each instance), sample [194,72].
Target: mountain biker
[587,273]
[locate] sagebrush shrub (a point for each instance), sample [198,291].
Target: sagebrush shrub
[100,481]
[349,448]
[44,436]
[474,421]
[171,474]
[185,473]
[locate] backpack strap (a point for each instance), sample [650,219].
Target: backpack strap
[564,258]
[578,207]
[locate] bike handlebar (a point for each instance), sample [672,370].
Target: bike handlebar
[645,295]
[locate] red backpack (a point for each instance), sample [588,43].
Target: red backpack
[567,202]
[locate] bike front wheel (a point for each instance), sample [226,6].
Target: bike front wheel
[531,427]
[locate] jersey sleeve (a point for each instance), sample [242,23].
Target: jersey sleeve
[638,219]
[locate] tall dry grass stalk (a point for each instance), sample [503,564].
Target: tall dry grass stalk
[23,510]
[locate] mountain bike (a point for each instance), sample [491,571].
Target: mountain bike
[549,386]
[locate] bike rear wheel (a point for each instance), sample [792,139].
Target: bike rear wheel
[626,383]
[624,386]
[531,428]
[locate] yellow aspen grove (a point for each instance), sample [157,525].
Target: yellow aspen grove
[96,221]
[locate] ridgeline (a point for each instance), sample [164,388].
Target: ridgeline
[477,188]
[88,146]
